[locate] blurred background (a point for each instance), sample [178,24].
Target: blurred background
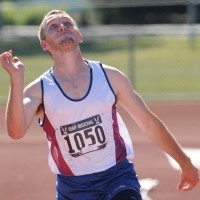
[155,42]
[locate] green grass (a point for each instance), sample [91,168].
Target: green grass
[163,67]
[171,68]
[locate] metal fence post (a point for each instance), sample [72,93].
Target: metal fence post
[191,20]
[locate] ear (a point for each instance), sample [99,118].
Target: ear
[80,37]
[43,45]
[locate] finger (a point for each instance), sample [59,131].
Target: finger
[185,186]
[181,185]
[6,58]
[16,59]
[10,51]
[188,187]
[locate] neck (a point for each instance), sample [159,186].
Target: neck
[69,65]
[68,61]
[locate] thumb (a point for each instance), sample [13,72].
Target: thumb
[181,185]
[184,186]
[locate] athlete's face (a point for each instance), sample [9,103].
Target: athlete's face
[61,32]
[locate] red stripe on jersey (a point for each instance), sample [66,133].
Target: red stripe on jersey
[55,150]
[120,149]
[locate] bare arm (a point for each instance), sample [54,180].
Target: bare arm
[22,105]
[153,127]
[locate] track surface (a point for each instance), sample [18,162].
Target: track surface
[24,172]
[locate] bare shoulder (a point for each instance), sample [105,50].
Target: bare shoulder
[35,85]
[113,72]
[116,77]
[34,91]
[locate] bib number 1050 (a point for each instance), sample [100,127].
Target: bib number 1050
[85,141]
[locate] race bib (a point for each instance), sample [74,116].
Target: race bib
[84,136]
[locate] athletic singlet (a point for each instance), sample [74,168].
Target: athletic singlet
[84,135]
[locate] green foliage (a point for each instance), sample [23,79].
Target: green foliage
[14,14]
[9,14]
[28,14]
[34,16]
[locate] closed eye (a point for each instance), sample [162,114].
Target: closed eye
[53,26]
[68,24]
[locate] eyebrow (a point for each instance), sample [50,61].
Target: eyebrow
[56,18]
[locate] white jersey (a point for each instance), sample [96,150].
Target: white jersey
[84,135]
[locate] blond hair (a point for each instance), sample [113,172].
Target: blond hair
[41,33]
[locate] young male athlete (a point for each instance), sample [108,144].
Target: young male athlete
[89,145]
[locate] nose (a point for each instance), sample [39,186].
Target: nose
[62,27]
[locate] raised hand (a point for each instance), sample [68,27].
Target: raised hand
[12,65]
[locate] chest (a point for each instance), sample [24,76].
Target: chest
[75,89]
[76,101]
